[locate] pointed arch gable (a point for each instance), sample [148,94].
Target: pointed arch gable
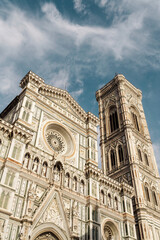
[110,102]
[52,203]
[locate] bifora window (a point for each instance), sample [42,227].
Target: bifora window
[147,193]
[139,155]
[154,198]
[146,159]
[113,118]
[67,180]
[120,154]
[113,160]
[135,121]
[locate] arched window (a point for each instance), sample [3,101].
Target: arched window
[6,201]
[102,197]
[94,214]
[7,177]
[28,104]
[113,160]
[11,179]
[2,198]
[120,154]
[25,116]
[135,121]
[26,160]
[67,180]
[109,200]
[95,233]
[75,184]
[154,198]
[44,169]
[126,229]
[57,170]
[146,159]
[113,118]
[35,165]
[124,208]
[16,151]
[141,231]
[139,155]
[131,229]
[128,206]
[82,187]
[147,193]
[116,203]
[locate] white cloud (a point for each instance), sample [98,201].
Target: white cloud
[76,94]
[7,81]
[121,39]
[79,6]
[156,147]
[61,79]
[37,42]
[101,3]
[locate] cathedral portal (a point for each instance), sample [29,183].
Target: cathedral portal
[47,236]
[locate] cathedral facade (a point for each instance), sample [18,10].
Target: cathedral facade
[50,184]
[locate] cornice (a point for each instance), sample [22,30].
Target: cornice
[47,90]
[126,189]
[118,79]
[22,133]
[31,77]
[6,128]
[110,182]
[93,171]
[16,130]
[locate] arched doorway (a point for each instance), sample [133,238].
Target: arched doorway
[48,231]
[47,236]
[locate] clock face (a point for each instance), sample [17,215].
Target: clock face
[56,141]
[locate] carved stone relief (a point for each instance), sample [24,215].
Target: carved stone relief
[52,214]
[75,216]
[67,207]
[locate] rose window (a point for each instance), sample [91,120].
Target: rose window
[56,141]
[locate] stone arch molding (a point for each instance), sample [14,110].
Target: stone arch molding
[55,232]
[58,139]
[110,230]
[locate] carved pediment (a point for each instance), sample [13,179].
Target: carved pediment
[66,106]
[51,211]
[52,214]
[64,100]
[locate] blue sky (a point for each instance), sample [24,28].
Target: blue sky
[80,45]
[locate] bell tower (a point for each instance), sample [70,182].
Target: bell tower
[127,152]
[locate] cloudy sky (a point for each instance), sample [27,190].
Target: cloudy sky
[79,45]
